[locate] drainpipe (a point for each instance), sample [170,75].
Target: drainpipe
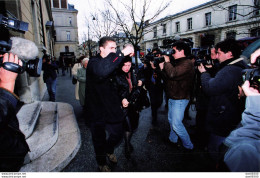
[43,26]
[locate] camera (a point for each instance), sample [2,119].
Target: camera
[253,75]
[157,60]
[203,58]
[26,50]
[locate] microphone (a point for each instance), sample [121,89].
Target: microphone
[27,51]
[24,49]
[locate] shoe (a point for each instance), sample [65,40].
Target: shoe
[186,150]
[104,168]
[112,158]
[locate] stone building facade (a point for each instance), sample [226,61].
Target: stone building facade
[207,24]
[66,29]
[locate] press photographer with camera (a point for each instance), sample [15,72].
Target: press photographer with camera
[49,76]
[224,107]
[13,145]
[202,100]
[241,147]
[153,82]
[179,75]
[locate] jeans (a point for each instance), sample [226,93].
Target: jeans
[51,87]
[176,110]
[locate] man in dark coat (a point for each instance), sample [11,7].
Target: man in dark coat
[224,108]
[49,76]
[154,85]
[102,101]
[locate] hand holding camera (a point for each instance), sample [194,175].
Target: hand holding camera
[255,57]
[249,91]
[253,75]
[7,78]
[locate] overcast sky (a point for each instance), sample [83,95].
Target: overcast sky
[86,7]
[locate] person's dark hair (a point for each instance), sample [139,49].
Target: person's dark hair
[180,45]
[125,59]
[102,42]
[157,50]
[81,58]
[46,57]
[229,45]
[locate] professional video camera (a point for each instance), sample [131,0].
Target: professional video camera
[252,75]
[157,60]
[26,50]
[203,58]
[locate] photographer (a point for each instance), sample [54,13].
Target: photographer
[202,99]
[13,145]
[179,80]
[224,107]
[154,85]
[49,76]
[242,144]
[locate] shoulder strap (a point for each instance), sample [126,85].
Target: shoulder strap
[235,61]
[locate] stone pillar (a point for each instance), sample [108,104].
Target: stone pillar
[30,89]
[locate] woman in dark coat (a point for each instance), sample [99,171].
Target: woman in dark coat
[128,88]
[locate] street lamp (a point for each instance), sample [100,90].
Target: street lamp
[89,40]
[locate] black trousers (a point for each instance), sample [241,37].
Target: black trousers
[102,144]
[156,98]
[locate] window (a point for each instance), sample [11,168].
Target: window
[70,21]
[164,28]
[177,27]
[256,7]
[64,4]
[189,21]
[255,32]
[208,19]
[231,35]
[68,36]
[67,49]
[155,45]
[154,32]
[232,13]
[56,3]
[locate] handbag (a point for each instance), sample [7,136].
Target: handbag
[139,99]
[74,80]
[143,98]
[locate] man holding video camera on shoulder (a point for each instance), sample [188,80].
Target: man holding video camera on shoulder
[13,145]
[179,76]
[224,107]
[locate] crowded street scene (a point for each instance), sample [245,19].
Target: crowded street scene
[130,87]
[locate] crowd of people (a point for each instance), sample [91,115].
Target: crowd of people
[112,94]
[110,82]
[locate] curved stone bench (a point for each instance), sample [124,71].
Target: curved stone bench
[66,146]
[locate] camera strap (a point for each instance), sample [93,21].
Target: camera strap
[235,61]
